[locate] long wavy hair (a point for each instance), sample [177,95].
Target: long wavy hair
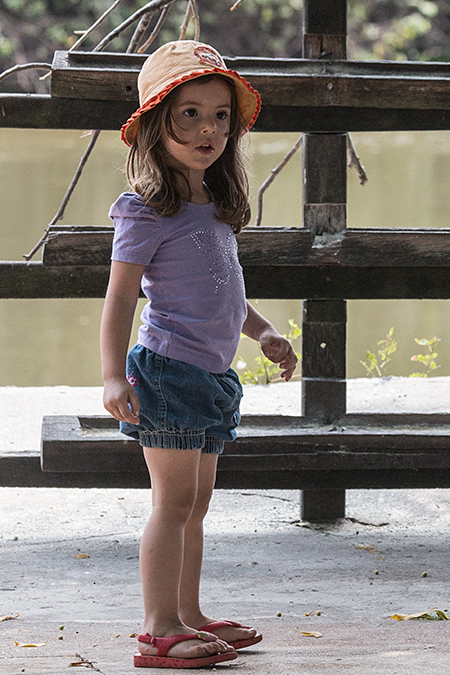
[159,185]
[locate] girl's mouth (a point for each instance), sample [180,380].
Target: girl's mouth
[205,148]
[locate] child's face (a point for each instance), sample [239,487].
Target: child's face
[201,120]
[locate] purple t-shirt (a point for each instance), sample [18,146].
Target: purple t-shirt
[192,278]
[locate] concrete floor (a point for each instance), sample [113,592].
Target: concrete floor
[262,565]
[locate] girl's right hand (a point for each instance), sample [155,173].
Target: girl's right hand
[121,401]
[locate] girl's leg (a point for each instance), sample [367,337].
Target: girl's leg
[193,543]
[174,477]
[189,602]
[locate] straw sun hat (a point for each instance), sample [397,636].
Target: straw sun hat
[177,62]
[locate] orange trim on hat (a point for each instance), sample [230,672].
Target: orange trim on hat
[152,102]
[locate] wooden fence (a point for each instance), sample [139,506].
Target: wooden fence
[324,450]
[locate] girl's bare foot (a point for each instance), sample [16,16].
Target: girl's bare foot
[229,631]
[186,649]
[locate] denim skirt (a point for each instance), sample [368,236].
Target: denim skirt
[182,406]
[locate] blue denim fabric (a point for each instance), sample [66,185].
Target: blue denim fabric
[182,406]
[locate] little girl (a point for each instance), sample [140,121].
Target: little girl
[176,393]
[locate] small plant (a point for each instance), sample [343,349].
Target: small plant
[428,360]
[376,364]
[266,371]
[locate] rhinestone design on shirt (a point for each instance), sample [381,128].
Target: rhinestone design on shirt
[221,255]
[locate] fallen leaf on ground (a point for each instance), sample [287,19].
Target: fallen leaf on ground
[308,634]
[439,616]
[316,612]
[7,618]
[84,662]
[82,555]
[370,548]
[31,644]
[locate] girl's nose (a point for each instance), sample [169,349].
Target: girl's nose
[209,126]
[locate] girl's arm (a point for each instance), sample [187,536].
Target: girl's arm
[117,319]
[276,347]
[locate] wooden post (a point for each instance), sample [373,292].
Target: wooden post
[324,213]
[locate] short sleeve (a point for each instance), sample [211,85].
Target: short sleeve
[137,231]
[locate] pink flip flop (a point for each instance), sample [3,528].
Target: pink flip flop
[239,644]
[163,644]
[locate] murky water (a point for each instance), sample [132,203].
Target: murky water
[48,342]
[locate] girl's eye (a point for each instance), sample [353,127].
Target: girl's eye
[222,115]
[190,112]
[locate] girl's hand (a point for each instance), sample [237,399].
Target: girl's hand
[279,350]
[121,401]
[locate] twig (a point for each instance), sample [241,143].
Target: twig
[185,24]
[60,213]
[24,66]
[272,176]
[155,31]
[95,134]
[139,32]
[191,12]
[236,5]
[87,32]
[153,5]
[354,162]
[196,18]
[85,662]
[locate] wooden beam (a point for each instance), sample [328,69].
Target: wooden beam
[24,470]
[273,247]
[29,280]
[265,443]
[20,280]
[319,506]
[325,29]
[281,82]
[325,183]
[37,111]
[324,386]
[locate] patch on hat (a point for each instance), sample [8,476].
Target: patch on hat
[209,57]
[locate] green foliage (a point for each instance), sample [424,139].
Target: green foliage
[377,29]
[399,30]
[266,371]
[428,360]
[376,365]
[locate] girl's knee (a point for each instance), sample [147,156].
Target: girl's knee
[178,506]
[201,505]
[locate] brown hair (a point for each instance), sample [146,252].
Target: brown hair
[150,176]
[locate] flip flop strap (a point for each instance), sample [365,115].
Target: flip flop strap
[214,625]
[163,644]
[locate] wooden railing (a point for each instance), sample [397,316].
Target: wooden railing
[324,450]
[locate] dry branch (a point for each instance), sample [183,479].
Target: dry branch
[87,32]
[60,213]
[269,180]
[354,162]
[155,31]
[139,32]
[154,5]
[187,18]
[24,66]
[191,12]
[196,18]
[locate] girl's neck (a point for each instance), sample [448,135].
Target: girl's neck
[193,189]
[200,197]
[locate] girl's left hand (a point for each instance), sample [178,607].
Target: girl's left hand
[279,350]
